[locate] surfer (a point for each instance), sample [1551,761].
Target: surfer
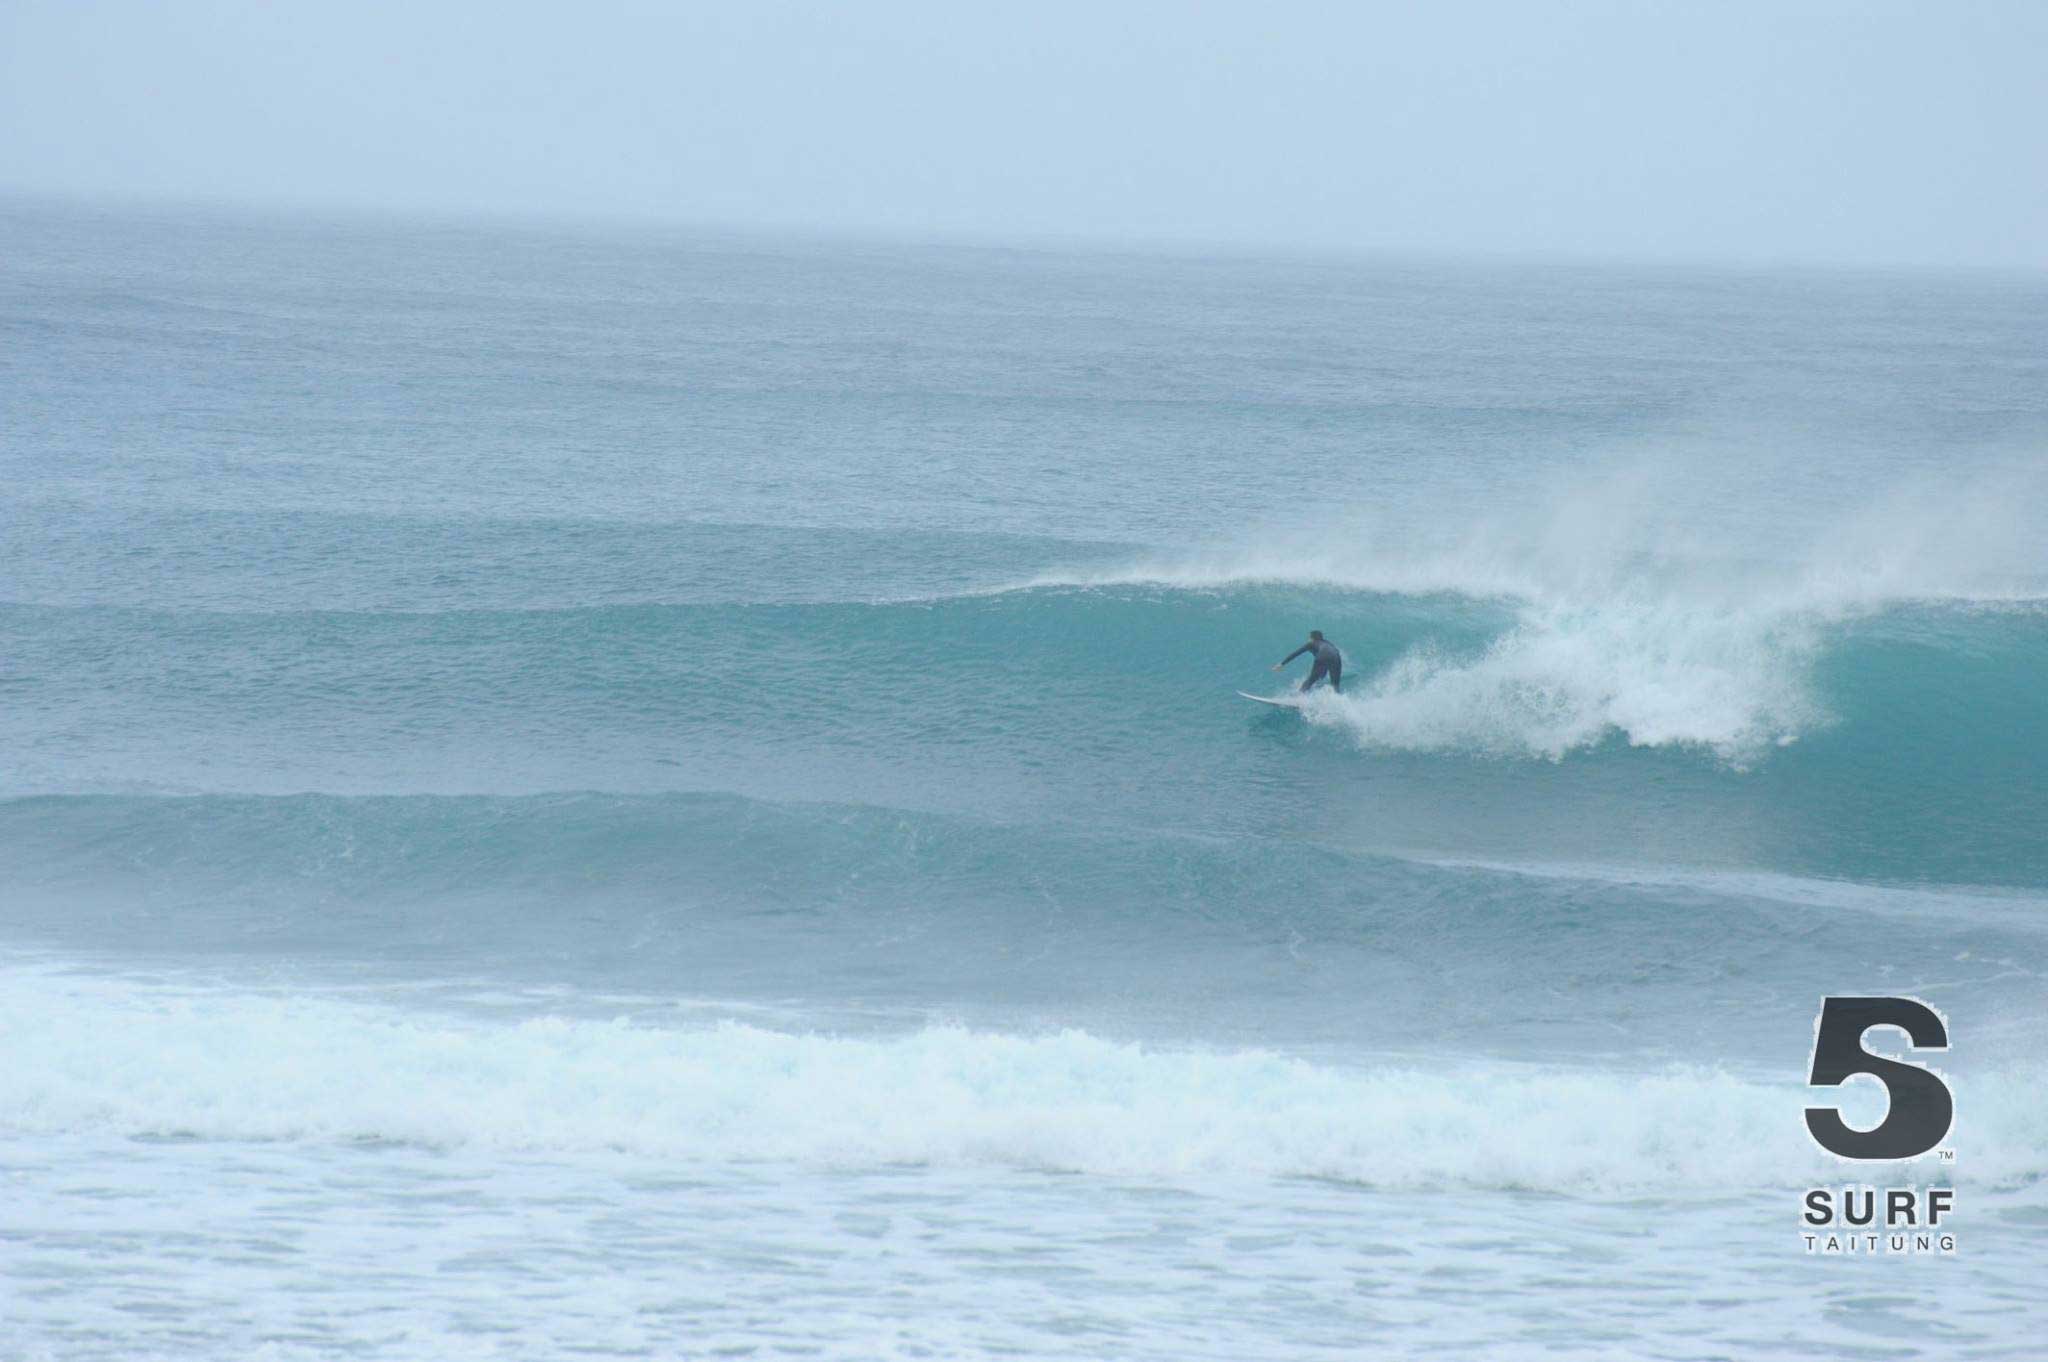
[1328,661]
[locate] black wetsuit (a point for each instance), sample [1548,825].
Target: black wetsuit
[1329,662]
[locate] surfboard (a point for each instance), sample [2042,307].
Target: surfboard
[1291,702]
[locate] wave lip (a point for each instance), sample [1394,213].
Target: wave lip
[109,1057]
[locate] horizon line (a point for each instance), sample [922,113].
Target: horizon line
[1189,247]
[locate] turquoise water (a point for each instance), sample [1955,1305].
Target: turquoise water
[661,793]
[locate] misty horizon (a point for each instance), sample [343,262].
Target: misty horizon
[1884,136]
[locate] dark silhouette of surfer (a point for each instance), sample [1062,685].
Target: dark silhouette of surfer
[1328,662]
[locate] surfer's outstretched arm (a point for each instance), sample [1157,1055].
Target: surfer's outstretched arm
[1291,656]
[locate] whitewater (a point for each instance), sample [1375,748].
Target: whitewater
[653,794]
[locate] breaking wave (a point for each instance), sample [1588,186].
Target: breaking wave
[102,1056]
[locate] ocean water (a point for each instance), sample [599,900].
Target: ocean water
[648,793]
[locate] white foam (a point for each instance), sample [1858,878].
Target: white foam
[1634,613]
[107,1056]
[1657,674]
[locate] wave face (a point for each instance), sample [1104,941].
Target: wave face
[913,915]
[1893,741]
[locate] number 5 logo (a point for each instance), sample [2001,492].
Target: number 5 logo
[1921,1107]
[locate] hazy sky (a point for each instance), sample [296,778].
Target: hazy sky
[1863,132]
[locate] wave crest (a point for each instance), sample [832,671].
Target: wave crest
[1626,611]
[103,1056]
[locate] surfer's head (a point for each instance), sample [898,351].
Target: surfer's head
[1315,636]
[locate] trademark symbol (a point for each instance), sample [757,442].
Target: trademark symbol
[1946,1155]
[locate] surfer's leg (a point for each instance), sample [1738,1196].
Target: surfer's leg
[1337,678]
[1315,674]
